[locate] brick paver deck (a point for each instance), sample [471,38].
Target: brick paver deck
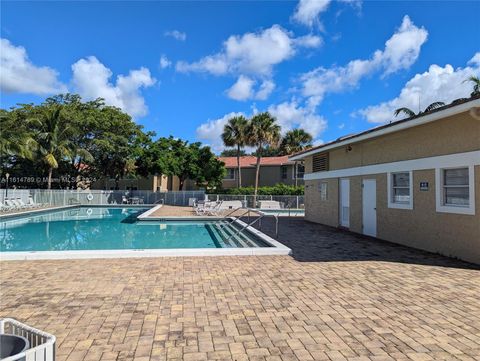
[341,297]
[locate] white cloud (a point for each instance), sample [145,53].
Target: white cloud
[403,48]
[177,35]
[400,52]
[242,89]
[291,115]
[252,56]
[19,75]
[309,41]
[211,131]
[164,62]
[308,11]
[265,90]
[251,53]
[91,80]
[216,65]
[437,84]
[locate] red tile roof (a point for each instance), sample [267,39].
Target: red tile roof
[250,161]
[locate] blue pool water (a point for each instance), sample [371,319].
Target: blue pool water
[101,228]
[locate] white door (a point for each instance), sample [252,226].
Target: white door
[369,196]
[345,203]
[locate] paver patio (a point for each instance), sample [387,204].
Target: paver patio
[339,297]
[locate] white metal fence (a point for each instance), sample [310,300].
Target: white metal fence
[59,197]
[286,202]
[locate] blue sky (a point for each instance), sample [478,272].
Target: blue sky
[183,68]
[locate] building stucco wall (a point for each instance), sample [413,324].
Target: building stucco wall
[269,176]
[422,227]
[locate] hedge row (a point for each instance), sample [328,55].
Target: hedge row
[276,190]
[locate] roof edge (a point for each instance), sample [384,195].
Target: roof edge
[390,128]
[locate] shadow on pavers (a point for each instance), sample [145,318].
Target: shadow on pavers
[312,242]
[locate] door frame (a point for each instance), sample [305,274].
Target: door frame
[340,202]
[373,226]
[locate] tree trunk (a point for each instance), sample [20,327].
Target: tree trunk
[257,176]
[295,169]
[239,181]
[49,182]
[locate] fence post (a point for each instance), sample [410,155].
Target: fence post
[297,203]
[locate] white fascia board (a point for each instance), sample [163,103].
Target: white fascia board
[395,128]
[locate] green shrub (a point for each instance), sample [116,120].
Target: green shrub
[276,190]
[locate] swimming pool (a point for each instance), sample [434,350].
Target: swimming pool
[114,229]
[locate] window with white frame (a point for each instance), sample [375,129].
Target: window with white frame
[454,188]
[230,174]
[300,171]
[400,190]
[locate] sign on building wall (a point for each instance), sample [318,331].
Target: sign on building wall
[424,186]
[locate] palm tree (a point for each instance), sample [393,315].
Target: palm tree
[410,113]
[234,135]
[295,141]
[14,140]
[52,136]
[262,131]
[476,85]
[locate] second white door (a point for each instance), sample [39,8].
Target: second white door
[369,196]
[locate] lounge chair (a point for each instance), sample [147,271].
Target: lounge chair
[208,208]
[5,207]
[269,205]
[11,204]
[23,204]
[215,210]
[32,203]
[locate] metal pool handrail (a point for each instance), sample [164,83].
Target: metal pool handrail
[259,219]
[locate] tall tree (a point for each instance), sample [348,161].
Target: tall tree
[234,135]
[295,141]
[475,80]
[15,139]
[262,132]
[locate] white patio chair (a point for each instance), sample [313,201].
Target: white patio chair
[23,204]
[32,203]
[11,204]
[4,207]
[204,208]
[215,210]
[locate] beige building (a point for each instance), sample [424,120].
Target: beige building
[415,182]
[273,170]
[155,183]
